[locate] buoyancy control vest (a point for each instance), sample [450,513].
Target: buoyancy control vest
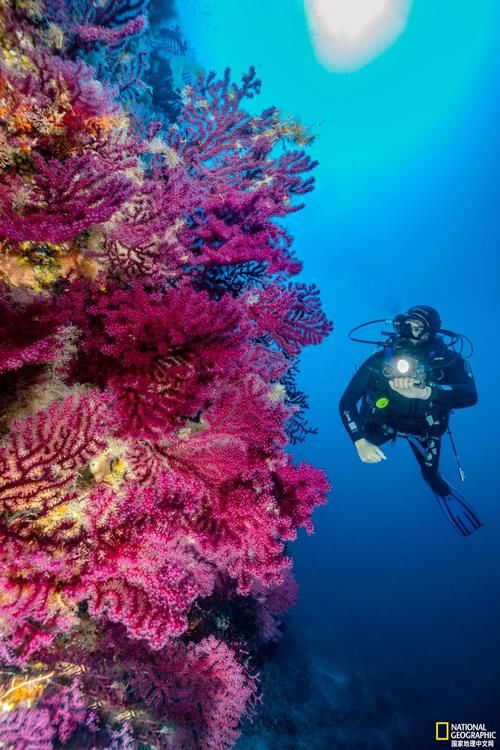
[386,407]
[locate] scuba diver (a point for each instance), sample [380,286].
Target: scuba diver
[408,389]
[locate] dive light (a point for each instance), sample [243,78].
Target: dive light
[407,366]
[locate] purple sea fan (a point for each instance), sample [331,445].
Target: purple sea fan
[162,483]
[242,185]
[222,692]
[27,729]
[68,708]
[58,711]
[27,339]
[65,199]
[233,226]
[141,571]
[106,22]
[33,614]
[56,76]
[273,601]
[91,34]
[39,465]
[290,316]
[160,353]
[44,452]
[143,237]
[203,688]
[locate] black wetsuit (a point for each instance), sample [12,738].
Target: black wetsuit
[385,414]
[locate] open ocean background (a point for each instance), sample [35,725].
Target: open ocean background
[398,620]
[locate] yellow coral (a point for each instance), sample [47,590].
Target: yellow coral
[287,128]
[277,392]
[56,520]
[23,691]
[39,264]
[105,122]
[295,132]
[14,58]
[110,466]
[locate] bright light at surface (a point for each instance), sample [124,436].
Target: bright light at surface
[350,18]
[403,365]
[347,34]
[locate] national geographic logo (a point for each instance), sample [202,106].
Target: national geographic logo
[465,735]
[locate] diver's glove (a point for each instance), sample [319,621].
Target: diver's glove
[368,452]
[409,388]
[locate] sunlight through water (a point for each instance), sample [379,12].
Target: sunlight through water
[347,34]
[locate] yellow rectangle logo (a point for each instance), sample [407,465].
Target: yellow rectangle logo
[440,733]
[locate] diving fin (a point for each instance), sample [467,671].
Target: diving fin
[459,512]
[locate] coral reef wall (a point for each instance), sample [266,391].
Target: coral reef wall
[150,338]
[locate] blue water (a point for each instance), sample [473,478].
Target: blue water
[398,616]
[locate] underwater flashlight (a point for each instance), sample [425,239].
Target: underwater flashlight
[403,366]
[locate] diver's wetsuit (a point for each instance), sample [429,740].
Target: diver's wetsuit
[421,422]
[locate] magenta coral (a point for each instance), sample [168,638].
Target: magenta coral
[45,451]
[27,729]
[145,575]
[153,351]
[96,33]
[68,708]
[58,713]
[22,344]
[63,200]
[242,184]
[273,601]
[291,317]
[211,693]
[150,339]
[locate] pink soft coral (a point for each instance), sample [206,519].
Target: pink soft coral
[146,483]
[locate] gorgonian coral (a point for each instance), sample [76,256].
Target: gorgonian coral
[150,342]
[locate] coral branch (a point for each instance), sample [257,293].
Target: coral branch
[147,364]
[64,200]
[44,453]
